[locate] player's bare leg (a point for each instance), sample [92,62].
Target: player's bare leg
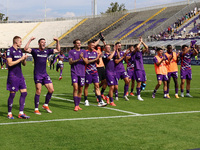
[182,87]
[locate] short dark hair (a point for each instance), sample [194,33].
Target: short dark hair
[15,38]
[40,40]
[168,46]
[91,41]
[184,46]
[74,42]
[135,45]
[117,43]
[129,46]
[158,49]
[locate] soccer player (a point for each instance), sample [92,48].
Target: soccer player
[139,67]
[186,73]
[130,68]
[60,64]
[161,72]
[40,74]
[120,70]
[91,74]
[111,76]
[77,59]
[16,79]
[172,69]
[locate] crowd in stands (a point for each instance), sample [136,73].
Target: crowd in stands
[172,31]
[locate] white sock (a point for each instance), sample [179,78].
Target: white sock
[36,109]
[21,112]
[9,113]
[45,104]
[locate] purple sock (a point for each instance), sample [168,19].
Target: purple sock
[188,91]
[116,93]
[125,89]
[176,90]
[102,91]
[48,98]
[61,72]
[111,99]
[78,100]
[22,101]
[37,100]
[138,91]
[167,90]
[181,90]
[10,101]
[75,100]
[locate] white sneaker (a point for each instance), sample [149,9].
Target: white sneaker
[102,104]
[116,98]
[188,95]
[140,98]
[87,103]
[182,94]
[126,98]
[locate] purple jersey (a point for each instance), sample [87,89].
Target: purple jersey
[60,57]
[15,55]
[186,61]
[138,60]
[109,64]
[78,68]
[130,63]
[91,67]
[40,60]
[119,67]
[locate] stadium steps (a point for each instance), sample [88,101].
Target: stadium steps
[73,28]
[142,24]
[31,31]
[107,27]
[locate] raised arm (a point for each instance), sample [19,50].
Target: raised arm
[57,50]
[26,48]
[111,55]
[195,52]
[117,61]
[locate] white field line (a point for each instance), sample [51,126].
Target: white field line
[95,118]
[64,99]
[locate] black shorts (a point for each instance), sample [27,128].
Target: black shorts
[101,72]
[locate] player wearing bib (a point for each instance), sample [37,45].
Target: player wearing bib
[140,74]
[172,69]
[186,71]
[91,74]
[161,72]
[111,77]
[41,77]
[130,68]
[60,63]
[15,80]
[78,58]
[120,70]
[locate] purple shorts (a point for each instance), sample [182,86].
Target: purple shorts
[186,74]
[16,83]
[60,66]
[140,75]
[131,74]
[111,79]
[78,79]
[43,79]
[162,77]
[122,75]
[173,74]
[91,78]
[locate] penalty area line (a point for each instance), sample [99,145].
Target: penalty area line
[95,118]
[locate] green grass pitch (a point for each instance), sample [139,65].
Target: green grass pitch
[149,125]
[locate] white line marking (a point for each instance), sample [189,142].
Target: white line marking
[94,118]
[64,99]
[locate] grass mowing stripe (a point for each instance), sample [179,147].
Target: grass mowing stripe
[96,106]
[93,118]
